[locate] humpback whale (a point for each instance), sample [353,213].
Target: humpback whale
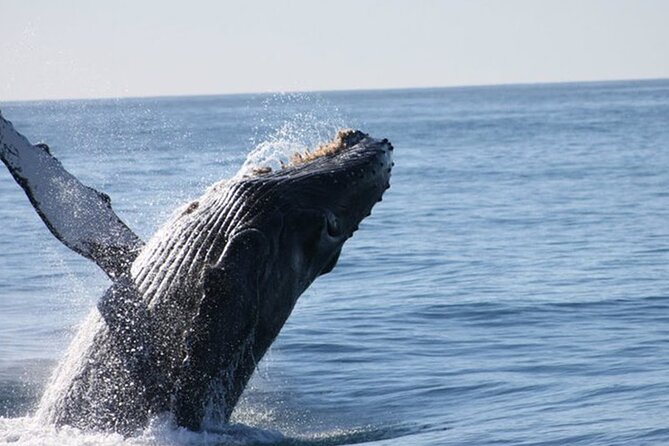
[191,312]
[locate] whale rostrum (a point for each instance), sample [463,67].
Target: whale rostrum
[190,313]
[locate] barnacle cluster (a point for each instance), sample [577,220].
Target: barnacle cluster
[341,141]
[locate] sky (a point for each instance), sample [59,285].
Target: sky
[93,48]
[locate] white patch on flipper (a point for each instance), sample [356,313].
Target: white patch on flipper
[81,217]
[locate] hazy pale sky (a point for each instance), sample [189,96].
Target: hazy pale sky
[89,48]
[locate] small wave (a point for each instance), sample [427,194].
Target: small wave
[351,436]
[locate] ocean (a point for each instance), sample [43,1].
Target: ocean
[511,289]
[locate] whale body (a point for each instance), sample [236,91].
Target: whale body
[191,312]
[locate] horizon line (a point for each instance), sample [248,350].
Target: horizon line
[338,90]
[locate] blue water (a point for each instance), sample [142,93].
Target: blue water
[512,288]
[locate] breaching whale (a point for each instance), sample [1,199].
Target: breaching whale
[190,313]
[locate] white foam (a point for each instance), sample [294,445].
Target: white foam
[161,431]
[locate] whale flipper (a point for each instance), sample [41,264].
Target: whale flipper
[79,216]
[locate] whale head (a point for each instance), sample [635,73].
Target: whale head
[318,202]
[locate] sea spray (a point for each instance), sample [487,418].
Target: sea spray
[290,131]
[69,366]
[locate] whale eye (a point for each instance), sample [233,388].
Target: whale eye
[332,224]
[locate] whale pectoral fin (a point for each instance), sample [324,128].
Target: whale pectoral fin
[225,321]
[79,216]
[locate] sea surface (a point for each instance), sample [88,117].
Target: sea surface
[511,289]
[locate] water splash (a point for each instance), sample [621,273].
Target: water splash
[304,122]
[161,431]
